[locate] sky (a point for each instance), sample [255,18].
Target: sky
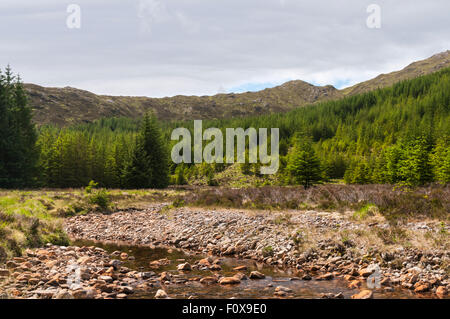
[163,48]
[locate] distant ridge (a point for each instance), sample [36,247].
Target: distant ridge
[65,106]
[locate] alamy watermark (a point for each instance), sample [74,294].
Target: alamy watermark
[258,145]
[73,20]
[373,281]
[374,19]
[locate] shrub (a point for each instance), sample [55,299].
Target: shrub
[100,198]
[90,187]
[366,211]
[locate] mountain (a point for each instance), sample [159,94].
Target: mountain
[65,106]
[435,63]
[68,105]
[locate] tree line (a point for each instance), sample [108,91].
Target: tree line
[393,135]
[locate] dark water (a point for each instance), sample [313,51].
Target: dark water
[263,288]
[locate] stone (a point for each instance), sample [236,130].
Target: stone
[204,262]
[327,276]
[422,288]
[11,264]
[63,294]
[354,284]
[106,278]
[385,281]
[215,267]
[280,293]
[257,275]
[229,281]
[363,294]
[33,281]
[241,276]
[365,272]
[115,263]
[240,268]
[161,294]
[165,276]
[285,289]
[184,267]
[4,272]
[127,290]
[208,280]
[83,260]
[441,291]
[88,293]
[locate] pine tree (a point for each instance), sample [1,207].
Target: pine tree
[441,161]
[415,167]
[304,166]
[18,136]
[179,175]
[149,164]
[138,172]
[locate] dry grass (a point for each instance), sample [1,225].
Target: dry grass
[392,202]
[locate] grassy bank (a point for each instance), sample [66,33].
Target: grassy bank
[34,218]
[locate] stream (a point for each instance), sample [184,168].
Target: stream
[187,283]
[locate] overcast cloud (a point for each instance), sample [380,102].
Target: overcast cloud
[198,47]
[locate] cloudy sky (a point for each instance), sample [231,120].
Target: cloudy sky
[198,47]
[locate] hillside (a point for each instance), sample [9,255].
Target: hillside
[416,69]
[65,106]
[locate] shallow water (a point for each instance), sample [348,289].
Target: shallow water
[263,288]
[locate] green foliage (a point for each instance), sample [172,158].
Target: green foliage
[101,198]
[365,211]
[18,151]
[392,135]
[441,161]
[303,165]
[180,175]
[90,187]
[148,167]
[210,179]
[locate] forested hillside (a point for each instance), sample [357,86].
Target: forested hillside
[398,134]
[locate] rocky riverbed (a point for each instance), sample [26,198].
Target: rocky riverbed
[273,238]
[277,240]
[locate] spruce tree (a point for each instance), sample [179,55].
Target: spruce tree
[19,153]
[304,166]
[148,167]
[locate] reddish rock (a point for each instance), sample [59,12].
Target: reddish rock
[365,272]
[441,291]
[240,268]
[422,288]
[354,284]
[363,294]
